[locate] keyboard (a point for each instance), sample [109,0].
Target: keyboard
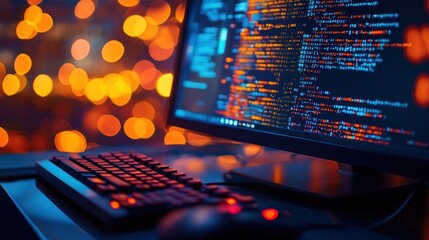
[123,187]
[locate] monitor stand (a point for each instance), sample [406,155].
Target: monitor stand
[318,179]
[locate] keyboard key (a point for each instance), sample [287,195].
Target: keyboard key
[72,168]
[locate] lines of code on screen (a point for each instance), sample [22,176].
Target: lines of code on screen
[331,70]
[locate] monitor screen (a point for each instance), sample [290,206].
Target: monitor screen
[341,79]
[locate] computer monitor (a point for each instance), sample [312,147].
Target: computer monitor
[343,80]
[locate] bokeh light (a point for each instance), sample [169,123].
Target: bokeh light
[159,11]
[78,80]
[198,139]
[11,84]
[421,91]
[161,48]
[96,91]
[118,89]
[174,138]
[109,125]
[43,85]
[180,12]
[64,73]
[22,82]
[164,84]
[134,25]
[70,141]
[44,23]
[34,2]
[22,64]
[144,109]
[132,78]
[151,29]
[417,51]
[112,51]
[80,49]
[33,13]
[128,3]
[4,137]
[2,70]
[84,9]
[26,30]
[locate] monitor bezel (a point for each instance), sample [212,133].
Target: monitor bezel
[403,165]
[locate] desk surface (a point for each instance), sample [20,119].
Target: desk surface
[53,217]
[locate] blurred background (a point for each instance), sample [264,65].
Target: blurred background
[79,74]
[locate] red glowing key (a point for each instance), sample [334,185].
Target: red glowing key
[114,204]
[270,214]
[231,201]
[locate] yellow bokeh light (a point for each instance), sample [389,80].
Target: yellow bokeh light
[134,25]
[44,23]
[118,89]
[22,64]
[164,84]
[32,13]
[112,51]
[26,30]
[34,2]
[11,84]
[2,70]
[144,109]
[78,80]
[159,11]
[128,3]
[84,9]
[180,12]
[64,73]
[96,91]
[4,137]
[161,49]
[80,49]
[109,125]
[132,78]
[70,141]
[43,85]
[151,29]
[174,138]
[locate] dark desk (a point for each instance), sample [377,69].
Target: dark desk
[53,217]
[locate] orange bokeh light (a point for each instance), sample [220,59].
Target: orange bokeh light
[2,70]
[174,138]
[22,64]
[80,49]
[112,51]
[159,11]
[144,109]
[114,204]
[180,12]
[84,9]
[151,29]
[64,73]
[70,141]
[26,30]
[43,85]
[109,125]
[161,48]
[421,91]
[129,3]
[4,137]
[34,2]
[44,23]
[417,52]
[148,78]
[33,13]
[11,84]
[132,78]
[197,139]
[270,214]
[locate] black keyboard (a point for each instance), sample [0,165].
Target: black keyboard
[122,187]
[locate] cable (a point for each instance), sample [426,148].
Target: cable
[392,215]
